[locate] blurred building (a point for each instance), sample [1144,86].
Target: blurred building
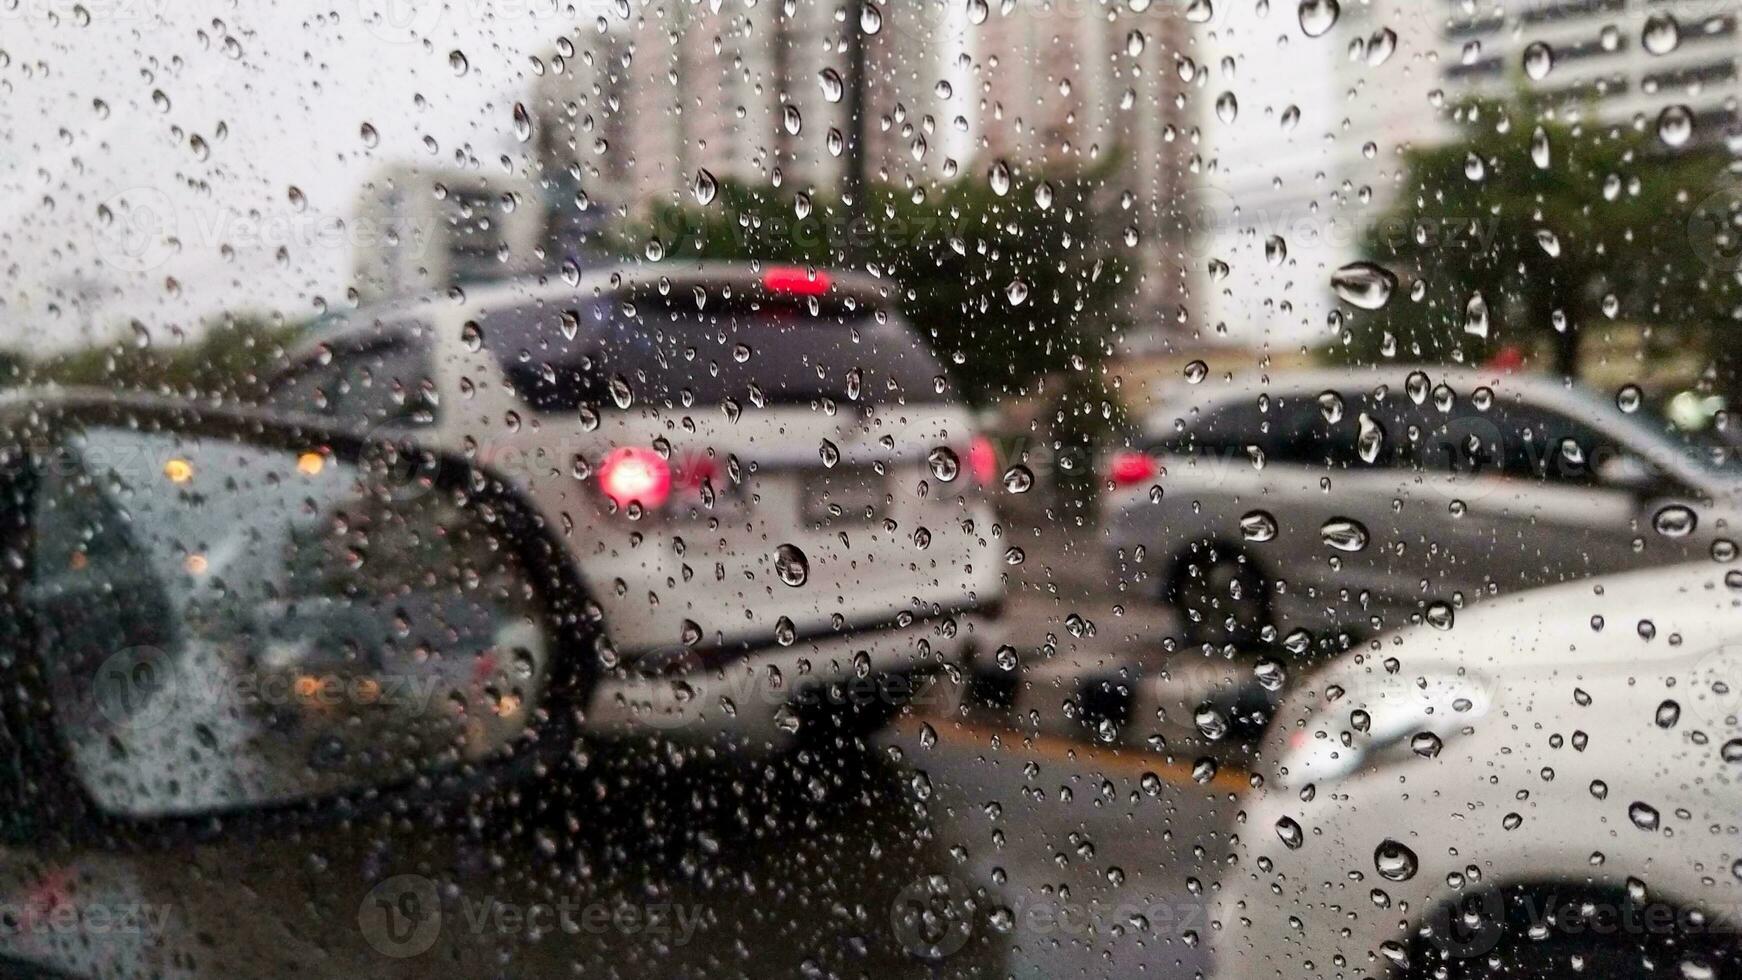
[752,93]
[417,229]
[635,111]
[1084,86]
[1620,61]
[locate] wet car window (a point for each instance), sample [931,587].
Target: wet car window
[1205,489]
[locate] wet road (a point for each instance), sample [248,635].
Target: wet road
[1020,838]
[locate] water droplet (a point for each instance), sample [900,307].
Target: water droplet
[945,465]
[1629,398]
[706,187]
[1439,615]
[833,87]
[472,336]
[1331,406]
[1425,744]
[1540,151]
[1000,178]
[1668,713]
[1476,315]
[1344,534]
[1369,439]
[1675,521]
[621,394]
[1662,34]
[829,453]
[1275,250]
[1675,125]
[1006,658]
[1381,46]
[1643,815]
[870,18]
[1258,525]
[457,61]
[1227,107]
[1289,832]
[791,565]
[1364,284]
[1317,17]
[1394,861]
[785,632]
[1196,372]
[1203,770]
[1270,673]
[1016,292]
[1538,60]
[1018,479]
[792,119]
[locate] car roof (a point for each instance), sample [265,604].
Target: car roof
[1692,603]
[1177,399]
[369,321]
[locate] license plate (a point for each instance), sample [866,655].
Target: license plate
[843,494]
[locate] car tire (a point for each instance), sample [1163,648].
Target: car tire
[1221,594]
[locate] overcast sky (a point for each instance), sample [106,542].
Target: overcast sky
[255,99]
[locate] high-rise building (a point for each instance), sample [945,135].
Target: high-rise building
[748,92]
[1619,60]
[634,109]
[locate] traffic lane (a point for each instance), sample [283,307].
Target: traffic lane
[1060,855]
[649,863]
[1096,858]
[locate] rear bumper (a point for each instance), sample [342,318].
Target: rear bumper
[760,699]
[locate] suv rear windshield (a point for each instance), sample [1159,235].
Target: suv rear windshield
[668,350]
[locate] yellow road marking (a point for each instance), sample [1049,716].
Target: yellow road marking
[1123,760]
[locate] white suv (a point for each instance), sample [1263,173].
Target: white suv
[774,498]
[1549,789]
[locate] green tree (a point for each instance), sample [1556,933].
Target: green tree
[230,358]
[1549,226]
[1008,280]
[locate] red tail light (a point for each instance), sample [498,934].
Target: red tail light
[795,282]
[1128,468]
[635,475]
[983,460]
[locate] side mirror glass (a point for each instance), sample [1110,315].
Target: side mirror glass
[226,625]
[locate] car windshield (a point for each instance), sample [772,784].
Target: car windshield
[842,489]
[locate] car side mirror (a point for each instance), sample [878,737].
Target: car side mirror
[220,618]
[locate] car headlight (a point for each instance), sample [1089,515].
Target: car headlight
[1377,721]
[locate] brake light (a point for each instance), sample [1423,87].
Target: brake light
[795,281]
[983,460]
[1128,468]
[635,475]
